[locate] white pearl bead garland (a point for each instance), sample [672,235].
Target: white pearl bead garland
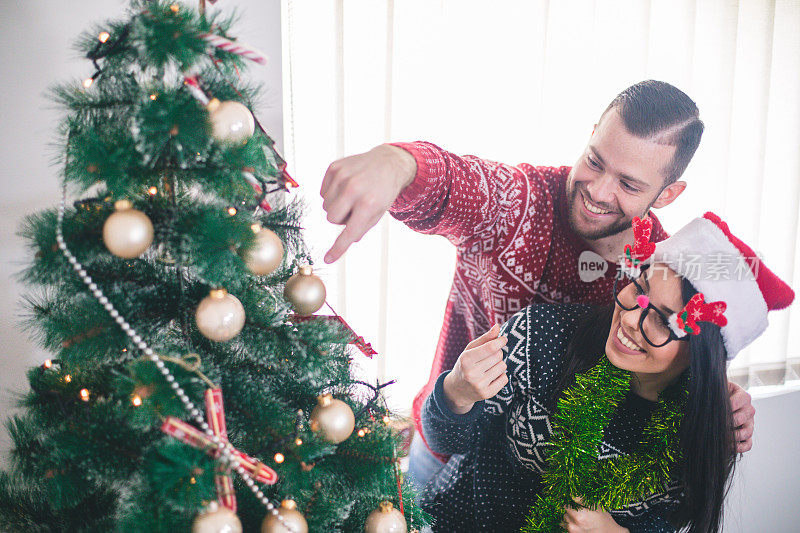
[225,447]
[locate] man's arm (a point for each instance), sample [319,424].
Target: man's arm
[743,417]
[432,191]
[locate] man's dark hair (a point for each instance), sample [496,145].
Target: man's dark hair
[661,112]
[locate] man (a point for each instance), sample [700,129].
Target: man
[527,234]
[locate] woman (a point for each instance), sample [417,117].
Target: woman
[623,407]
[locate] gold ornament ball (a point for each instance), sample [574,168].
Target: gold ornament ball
[220,316]
[386,519]
[266,254]
[127,232]
[305,292]
[333,419]
[230,121]
[291,516]
[217,519]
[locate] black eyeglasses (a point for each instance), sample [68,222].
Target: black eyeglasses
[653,323]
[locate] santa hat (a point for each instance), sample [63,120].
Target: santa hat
[736,288]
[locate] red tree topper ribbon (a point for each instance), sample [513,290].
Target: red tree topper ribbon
[642,247]
[215,415]
[697,310]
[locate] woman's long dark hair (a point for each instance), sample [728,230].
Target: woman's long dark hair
[707,440]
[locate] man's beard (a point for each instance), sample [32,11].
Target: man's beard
[574,203]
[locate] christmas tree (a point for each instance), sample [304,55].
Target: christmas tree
[191,386]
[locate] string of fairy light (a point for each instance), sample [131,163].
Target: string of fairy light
[220,444]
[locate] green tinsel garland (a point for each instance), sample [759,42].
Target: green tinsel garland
[583,411]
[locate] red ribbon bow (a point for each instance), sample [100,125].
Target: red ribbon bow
[188,434]
[697,310]
[642,247]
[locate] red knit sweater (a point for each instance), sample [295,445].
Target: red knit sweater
[515,245]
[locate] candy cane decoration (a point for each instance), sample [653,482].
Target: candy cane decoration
[218,41]
[234,47]
[191,83]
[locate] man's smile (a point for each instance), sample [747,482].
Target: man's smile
[593,209]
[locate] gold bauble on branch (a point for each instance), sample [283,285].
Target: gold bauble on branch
[291,517]
[305,292]
[216,519]
[128,232]
[385,519]
[332,419]
[230,121]
[220,316]
[266,255]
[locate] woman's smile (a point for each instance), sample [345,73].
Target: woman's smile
[625,343]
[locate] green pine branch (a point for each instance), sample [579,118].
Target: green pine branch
[88,453]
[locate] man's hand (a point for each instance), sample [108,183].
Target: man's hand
[586,520]
[359,189]
[479,372]
[743,417]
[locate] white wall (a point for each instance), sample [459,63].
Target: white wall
[35,52]
[766,489]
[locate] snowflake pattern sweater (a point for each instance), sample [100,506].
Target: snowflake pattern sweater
[497,449]
[514,244]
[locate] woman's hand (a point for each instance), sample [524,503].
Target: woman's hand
[586,520]
[479,372]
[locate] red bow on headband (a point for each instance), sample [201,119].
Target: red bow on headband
[697,310]
[642,247]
